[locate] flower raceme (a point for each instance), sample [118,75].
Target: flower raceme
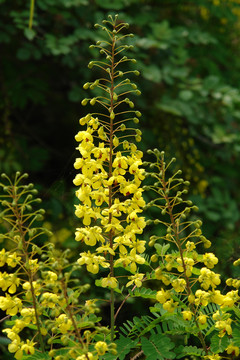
[121,218]
[185,273]
[126,200]
[110,173]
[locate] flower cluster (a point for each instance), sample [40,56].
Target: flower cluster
[110,173]
[184,272]
[37,293]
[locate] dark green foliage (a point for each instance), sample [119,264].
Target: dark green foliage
[190,89]
[158,347]
[191,100]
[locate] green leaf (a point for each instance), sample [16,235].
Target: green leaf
[162,30]
[218,344]
[124,345]
[183,351]
[37,356]
[236,336]
[147,43]
[29,33]
[144,293]
[152,73]
[158,347]
[162,249]
[185,95]
[171,109]
[196,271]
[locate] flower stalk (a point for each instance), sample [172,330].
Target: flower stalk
[110,175]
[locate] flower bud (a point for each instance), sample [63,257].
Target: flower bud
[154,258]
[93,101]
[112,115]
[84,102]
[86,85]
[90,65]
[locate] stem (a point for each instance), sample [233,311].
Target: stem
[137,355]
[110,187]
[69,309]
[123,302]
[32,3]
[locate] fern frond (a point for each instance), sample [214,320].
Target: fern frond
[144,293]
[158,347]
[183,351]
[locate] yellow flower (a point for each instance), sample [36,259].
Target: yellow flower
[84,137]
[92,261]
[36,286]
[49,300]
[230,298]
[190,246]
[216,297]
[9,281]
[136,279]
[224,327]
[137,223]
[12,335]
[19,325]
[202,319]
[208,278]
[85,212]
[90,235]
[179,285]
[15,346]
[63,323]
[212,357]
[28,315]
[187,315]
[101,347]
[51,276]
[13,259]
[169,306]
[232,350]
[28,348]
[33,264]
[89,356]
[201,297]
[3,257]
[191,298]
[11,305]
[110,282]
[132,259]
[162,296]
[210,260]
[105,249]
[90,306]
[120,164]
[115,141]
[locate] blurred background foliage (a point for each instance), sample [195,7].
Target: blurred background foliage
[188,54]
